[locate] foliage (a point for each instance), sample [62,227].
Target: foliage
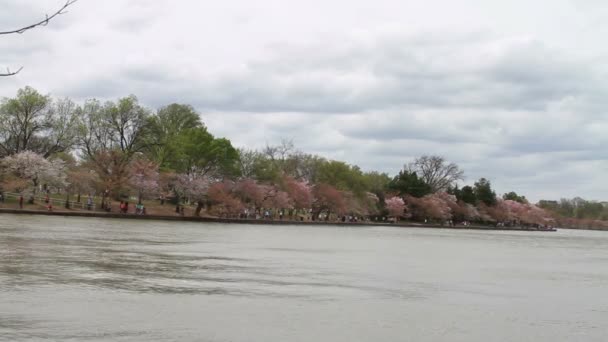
[407,183]
[31,122]
[466,194]
[577,208]
[513,196]
[162,132]
[196,150]
[484,193]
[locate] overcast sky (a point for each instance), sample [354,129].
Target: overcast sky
[515,91]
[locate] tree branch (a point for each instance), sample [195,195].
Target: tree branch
[43,22]
[10,73]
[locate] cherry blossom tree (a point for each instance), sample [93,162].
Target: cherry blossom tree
[195,187]
[280,201]
[35,169]
[436,207]
[327,199]
[299,191]
[223,201]
[432,206]
[144,177]
[470,213]
[396,207]
[249,192]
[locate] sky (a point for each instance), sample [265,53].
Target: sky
[514,91]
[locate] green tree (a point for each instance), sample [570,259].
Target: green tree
[32,122]
[467,195]
[22,119]
[164,128]
[408,183]
[484,193]
[513,196]
[376,182]
[342,176]
[109,137]
[197,151]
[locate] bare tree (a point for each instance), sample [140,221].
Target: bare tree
[43,22]
[436,172]
[280,152]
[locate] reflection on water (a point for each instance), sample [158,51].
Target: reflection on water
[97,280]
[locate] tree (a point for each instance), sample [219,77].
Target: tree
[299,191]
[82,180]
[222,200]
[144,177]
[62,128]
[513,196]
[198,151]
[467,195]
[109,136]
[126,121]
[342,176]
[195,187]
[484,193]
[436,172]
[250,193]
[32,122]
[328,199]
[436,207]
[376,182]
[112,169]
[43,22]
[35,169]
[163,131]
[21,119]
[408,183]
[395,206]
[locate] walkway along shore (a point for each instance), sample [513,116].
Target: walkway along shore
[253,221]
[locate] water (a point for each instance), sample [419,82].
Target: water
[82,279]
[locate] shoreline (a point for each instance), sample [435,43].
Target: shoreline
[254,221]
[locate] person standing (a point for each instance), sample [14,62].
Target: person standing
[20,201]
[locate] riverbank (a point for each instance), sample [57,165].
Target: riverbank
[251,221]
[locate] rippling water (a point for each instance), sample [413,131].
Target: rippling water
[125,280]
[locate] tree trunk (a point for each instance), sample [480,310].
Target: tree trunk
[199,207]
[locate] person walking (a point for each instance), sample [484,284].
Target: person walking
[20,201]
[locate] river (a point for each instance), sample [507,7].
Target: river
[86,279]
